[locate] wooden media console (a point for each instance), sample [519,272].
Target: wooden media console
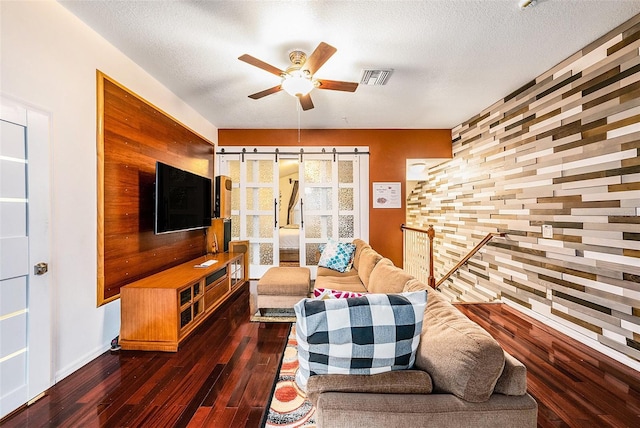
[160,311]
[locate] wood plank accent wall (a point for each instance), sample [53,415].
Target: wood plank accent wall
[132,136]
[563,151]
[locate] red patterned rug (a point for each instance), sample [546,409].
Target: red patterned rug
[289,406]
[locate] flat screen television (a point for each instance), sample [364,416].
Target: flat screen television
[183,200]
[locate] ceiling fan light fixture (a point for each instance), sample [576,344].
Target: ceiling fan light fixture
[526,3]
[297,84]
[298,80]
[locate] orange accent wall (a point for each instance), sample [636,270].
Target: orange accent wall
[389,149]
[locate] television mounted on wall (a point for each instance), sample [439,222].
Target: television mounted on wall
[183,200]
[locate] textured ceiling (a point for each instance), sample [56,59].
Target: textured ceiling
[452,58]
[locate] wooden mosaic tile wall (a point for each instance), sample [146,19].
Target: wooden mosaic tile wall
[561,151]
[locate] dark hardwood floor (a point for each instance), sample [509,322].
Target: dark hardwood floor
[223,375]
[573,385]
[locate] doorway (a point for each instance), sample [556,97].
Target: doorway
[286,214]
[289,212]
[25,291]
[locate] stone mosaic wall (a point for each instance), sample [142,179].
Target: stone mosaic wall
[560,151]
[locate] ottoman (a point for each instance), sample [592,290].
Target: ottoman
[282,287]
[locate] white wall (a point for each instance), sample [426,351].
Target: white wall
[49,61]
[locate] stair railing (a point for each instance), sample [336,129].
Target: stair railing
[417,242]
[471,253]
[430,234]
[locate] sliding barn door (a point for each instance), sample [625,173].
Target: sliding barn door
[254,206]
[330,202]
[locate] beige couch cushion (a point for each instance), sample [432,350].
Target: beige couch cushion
[415,285]
[368,260]
[287,281]
[361,410]
[344,283]
[360,245]
[387,278]
[461,357]
[394,382]
[513,380]
[323,271]
[280,287]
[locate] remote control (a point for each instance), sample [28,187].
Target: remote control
[207,263]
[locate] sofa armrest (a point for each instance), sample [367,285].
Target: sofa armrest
[393,382]
[513,380]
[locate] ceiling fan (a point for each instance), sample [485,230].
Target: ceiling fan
[298,80]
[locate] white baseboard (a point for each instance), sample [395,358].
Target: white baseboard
[80,362]
[591,343]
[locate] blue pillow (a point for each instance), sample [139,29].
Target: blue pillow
[337,255]
[375,333]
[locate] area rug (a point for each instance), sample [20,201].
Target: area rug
[275,315]
[289,406]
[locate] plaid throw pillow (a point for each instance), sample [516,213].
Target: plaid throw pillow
[371,334]
[337,255]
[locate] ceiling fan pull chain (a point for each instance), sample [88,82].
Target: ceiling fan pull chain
[298,109]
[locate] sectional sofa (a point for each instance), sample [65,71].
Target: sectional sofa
[461,376]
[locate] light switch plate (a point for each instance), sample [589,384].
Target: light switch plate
[547,231]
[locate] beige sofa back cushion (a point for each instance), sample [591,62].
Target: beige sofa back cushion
[360,245]
[415,285]
[387,278]
[461,357]
[368,260]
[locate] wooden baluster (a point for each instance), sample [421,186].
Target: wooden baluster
[431,233]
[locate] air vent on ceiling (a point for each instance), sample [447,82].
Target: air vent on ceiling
[371,76]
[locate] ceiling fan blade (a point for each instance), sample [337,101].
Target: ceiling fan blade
[266,92]
[317,59]
[261,64]
[336,85]
[305,102]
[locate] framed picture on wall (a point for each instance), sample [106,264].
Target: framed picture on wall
[387,195]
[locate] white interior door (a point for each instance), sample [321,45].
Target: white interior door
[333,201]
[330,200]
[25,309]
[254,206]
[260,205]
